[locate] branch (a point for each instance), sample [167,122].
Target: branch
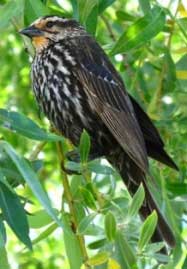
[70,201]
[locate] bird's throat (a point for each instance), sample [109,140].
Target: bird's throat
[40,42]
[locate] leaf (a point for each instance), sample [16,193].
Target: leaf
[91,22]
[40,219]
[127,255]
[98,259]
[145,5]
[110,226]
[9,11]
[84,146]
[72,246]
[147,230]
[45,233]
[4,264]
[142,31]
[103,4]
[85,222]
[19,123]
[75,7]
[88,13]
[88,198]
[85,8]
[14,214]
[136,202]
[124,16]
[113,264]
[98,168]
[32,180]
[34,10]
[97,244]
[2,233]
[181,74]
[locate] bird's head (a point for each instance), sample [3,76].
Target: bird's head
[48,29]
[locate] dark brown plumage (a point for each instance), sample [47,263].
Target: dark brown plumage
[78,88]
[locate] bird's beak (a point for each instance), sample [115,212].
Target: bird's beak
[31,31]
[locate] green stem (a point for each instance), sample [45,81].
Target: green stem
[70,201]
[155,102]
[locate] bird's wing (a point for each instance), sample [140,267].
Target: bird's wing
[109,99]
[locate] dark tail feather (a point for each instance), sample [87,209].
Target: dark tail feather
[153,141]
[132,177]
[159,154]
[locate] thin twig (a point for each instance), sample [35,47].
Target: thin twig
[70,201]
[37,150]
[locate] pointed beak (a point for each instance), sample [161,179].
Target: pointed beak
[31,31]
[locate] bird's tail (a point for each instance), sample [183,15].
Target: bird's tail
[132,176]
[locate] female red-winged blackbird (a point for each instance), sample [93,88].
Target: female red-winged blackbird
[78,88]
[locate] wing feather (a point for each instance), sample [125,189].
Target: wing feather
[109,99]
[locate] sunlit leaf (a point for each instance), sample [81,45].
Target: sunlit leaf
[40,219]
[126,253]
[85,222]
[137,201]
[72,246]
[142,31]
[19,123]
[14,214]
[147,230]
[31,178]
[84,146]
[113,264]
[2,233]
[145,5]
[88,198]
[98,259]
[97,244]
[110,226]
[4,259]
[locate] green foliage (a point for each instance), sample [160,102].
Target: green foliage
[88,216]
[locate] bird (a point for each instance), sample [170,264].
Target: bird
[78,88]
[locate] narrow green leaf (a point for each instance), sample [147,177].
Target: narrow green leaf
[97,244]
[85,7]
[14,214]
[103,4]
[142,31]
[136,202]
[124,16]
[126,253]
[45,233]
[91,22]
[85,222]
[19,123]
[110,226]
[40,219]
[32,180]
[4,264]
[98,259]
[72,246]
[2,234]
[98,168]
[88,198]
[8,12]
[75,7]
[88,13]
[84,146]
[145,5]
[34,10]
[147,230]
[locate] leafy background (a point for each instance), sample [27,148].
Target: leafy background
[41,206]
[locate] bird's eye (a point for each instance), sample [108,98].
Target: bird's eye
[49,24]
